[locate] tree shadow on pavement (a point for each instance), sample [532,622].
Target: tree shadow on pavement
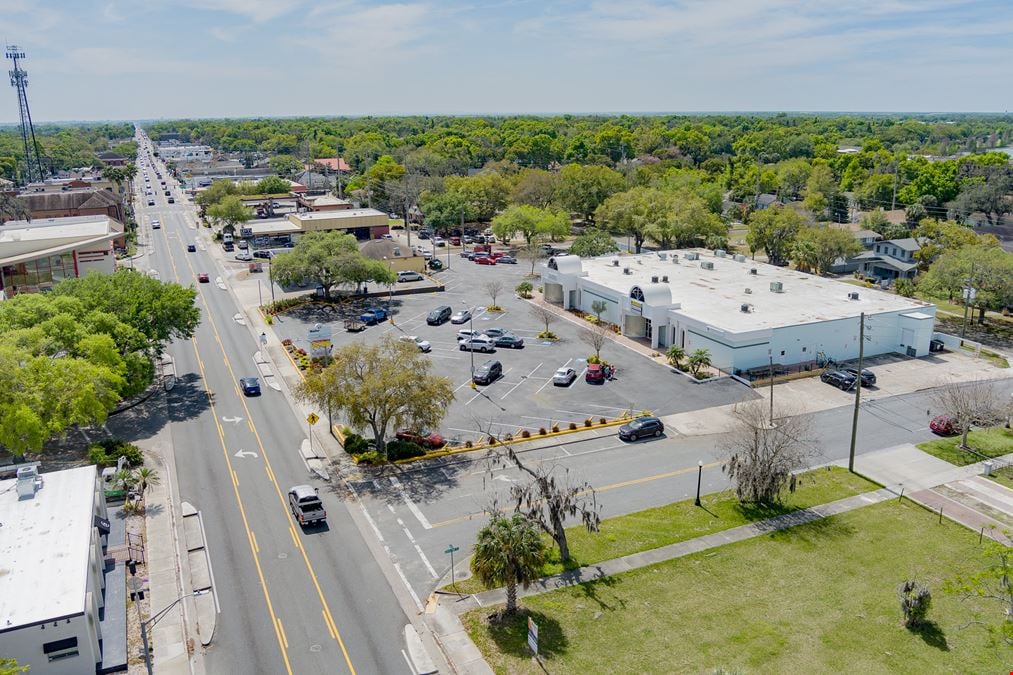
[188,399]
[422,484]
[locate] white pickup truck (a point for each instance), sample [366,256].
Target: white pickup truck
[304,501]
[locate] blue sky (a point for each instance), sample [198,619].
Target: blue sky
[140,59]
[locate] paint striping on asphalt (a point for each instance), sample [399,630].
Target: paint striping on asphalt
[416,511]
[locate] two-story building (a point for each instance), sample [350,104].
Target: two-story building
[890,259]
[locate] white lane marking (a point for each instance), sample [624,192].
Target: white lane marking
[512,389]
[418,550]
[411,505]
[481,392]
[404,579]
[606,407]
[372,524]
[580,376]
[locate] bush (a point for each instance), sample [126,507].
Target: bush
[269,320]
[525,434]
[555,428]
[404,450]
[355,444]
[573,425]
[548,335]
[542,431]
[108,451]
[287,342]
[588,422]
[593,359]
[915,601]
[524,289]
[372,458]
[602,420]
[469,444]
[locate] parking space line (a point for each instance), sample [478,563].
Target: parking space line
[606,407]
[580,376]
[481,392]
[410,504]
[526,377]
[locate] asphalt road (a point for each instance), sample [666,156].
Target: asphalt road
[311,601]
[435,504]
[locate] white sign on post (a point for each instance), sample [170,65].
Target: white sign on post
[533,636]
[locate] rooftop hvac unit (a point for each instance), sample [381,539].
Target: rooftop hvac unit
[675,258]
[752,270]
[664,279]
[745,308]
[852,296]
[626,270]
[662,255]
[776,287]
[739,258]
[692,255]
[615,262]
[719,253]
[654,279]
[707,264]
[27,481]
[749,291]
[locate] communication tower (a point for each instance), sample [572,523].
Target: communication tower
[19,80]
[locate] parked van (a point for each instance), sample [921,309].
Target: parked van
[439,315]
[227,238]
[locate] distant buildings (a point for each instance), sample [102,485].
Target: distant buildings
[73,201]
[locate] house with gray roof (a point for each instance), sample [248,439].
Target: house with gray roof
[891,259]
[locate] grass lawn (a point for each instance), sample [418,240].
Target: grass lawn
[992,442]
[680,521]
[818,598]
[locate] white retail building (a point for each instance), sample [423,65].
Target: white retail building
[742,311]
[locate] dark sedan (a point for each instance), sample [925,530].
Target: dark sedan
[250,386]
[868,377]
[509,341]
[838,378]
[641,427]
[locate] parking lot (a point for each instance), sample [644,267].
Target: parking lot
[524,397]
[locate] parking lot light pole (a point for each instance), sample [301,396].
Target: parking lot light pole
[858,391]
[699,478]
[471,350]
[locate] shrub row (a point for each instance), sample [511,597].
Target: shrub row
[108,451]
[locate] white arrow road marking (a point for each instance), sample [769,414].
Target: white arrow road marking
[238,318]
[234,420]
[245,453]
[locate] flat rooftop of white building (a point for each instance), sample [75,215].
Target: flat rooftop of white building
[45,547]
[340,213]
[715,296]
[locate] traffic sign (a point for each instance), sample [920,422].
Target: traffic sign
[312,418]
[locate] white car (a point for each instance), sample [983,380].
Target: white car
[244,256]
[423,345]
[469,334]
[477,344]
[564,377]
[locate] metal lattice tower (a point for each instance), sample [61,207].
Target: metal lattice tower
[19,80]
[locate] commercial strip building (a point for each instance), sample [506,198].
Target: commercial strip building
[363,223]
[36,255]
[743,312]
[62,609]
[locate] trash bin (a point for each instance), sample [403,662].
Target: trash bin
[987,464]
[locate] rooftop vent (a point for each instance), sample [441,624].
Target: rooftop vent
[707,264]
[626,270]
[719,253]
[749,291]
[776,287]
[739,257]
[654,279]
[752,270]
[852,296]
[28,481]
[692,255]
[745,308]
[615,262]
[675,258]
[664,279]
[662,255]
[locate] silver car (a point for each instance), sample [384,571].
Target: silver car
[564,377]
[461,316]
[423,345]
[477,344]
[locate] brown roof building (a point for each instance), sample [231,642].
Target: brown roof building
[73,203]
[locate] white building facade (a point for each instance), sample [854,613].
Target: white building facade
[743,312]
[52,581]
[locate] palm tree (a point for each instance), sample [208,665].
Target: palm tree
[12,208]
[124,479]
[508,551]
[145,477]
[675,355]
[699,360]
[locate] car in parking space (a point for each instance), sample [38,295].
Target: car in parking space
[868,377]
[467,334]
[640,428]
[509,341]
[434,265]
[485,260]
[423,345]
[439,241]
[455,241]
[479,343]
[838,378]
[171,200]
[507,260]
[439,315]
[423,234]
[496,331]
[243,245]
[373,315]
[191,248]
[151,202]
[423,437]
[487,373]
[469,255]
[228,246]
[944,425]
[203,278]
[244,256]
[564,377]
[461,316]
[409,275]
[595,373]
[263,254]
[250,386]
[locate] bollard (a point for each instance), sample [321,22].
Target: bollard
[981,533]
[940,515]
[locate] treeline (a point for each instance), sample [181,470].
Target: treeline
[65,146]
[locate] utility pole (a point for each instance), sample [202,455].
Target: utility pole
[969,293]
[772,390]
[858,391]
[893,202]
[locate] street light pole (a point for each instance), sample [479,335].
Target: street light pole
[155,619]
[699,478]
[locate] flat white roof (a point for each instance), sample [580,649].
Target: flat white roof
[715,297]
[41,229]
[340,213]
[45,547]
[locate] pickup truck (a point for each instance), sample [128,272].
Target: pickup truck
[373,315]
[306,505]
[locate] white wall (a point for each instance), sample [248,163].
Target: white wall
[25,645]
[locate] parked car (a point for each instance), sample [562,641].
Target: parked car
[479,343]
[191,248]
[507,260]
[172,200]
[304,501]
[641,427]
[439,315]
[423,437]
[263,254]
[244,256]
[409,275]
[439,241]
[467,334]
[434,265]
[487,373]
[461,316]
[455,241]
[423,234]
[151,202]
[564,377]
[838,378]
[423,345]
[595,373]
[243,245]
[250,386]
[485,260]
[373,315]
[509,341]
[230,247]
[496,332]
[203,278]
[868,377]
[944,425]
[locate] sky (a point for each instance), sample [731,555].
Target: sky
[147,59]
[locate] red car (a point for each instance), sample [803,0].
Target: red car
[485,260]
[595,373]
[203,278]
[455,241]
[426,439]
[944,425]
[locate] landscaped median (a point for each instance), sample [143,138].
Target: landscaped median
[815,598]
[681,521]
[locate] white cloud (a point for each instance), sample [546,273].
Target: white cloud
[376,33]
[255,10]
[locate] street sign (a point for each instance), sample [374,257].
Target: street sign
[312,418]
[452,549]
[533,636]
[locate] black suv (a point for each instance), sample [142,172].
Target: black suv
[488,372]
[640,427]
[840,379]
[868,377]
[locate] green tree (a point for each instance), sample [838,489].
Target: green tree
[508,551]
[774,230]
[939,236]
[531,223]
[675,355]
[229,214]
[991,584]
[991,199]
[638,213]
[329,259]
[12,208]
[582,189]
[11,667]
[285,166]
[816,249]
[683,220]
[486,192]
[593,243]
[792,176]
[445,210]
[698,360]
[144,478]
[820,189]
[272,185]
[380,386]
[535,187]
[381,179]
[987,268]
[215,193]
